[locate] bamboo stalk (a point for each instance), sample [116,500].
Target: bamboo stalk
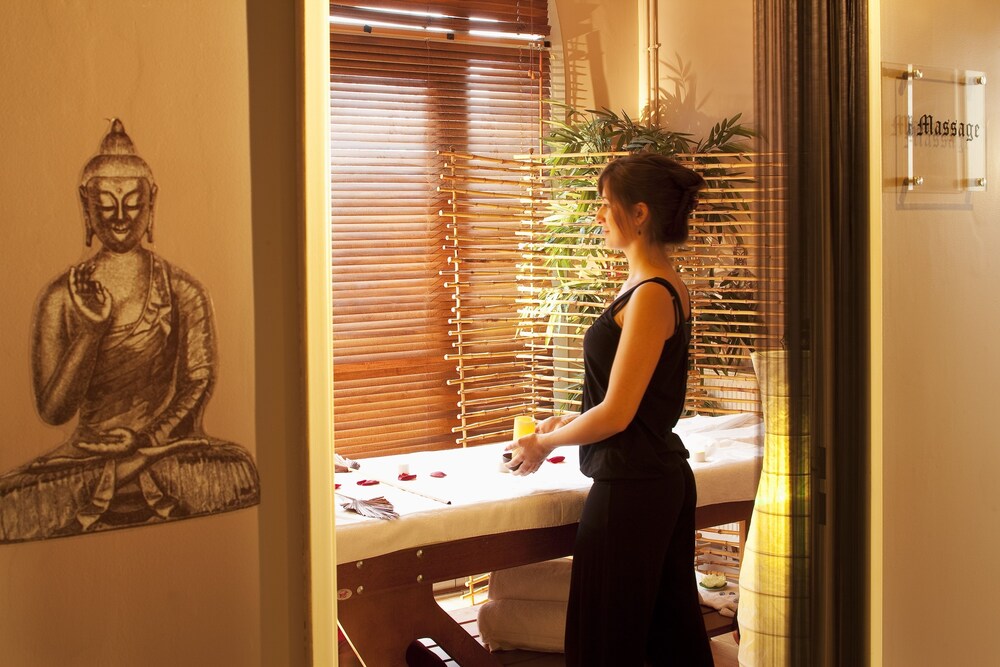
[484,158]
[536,159]
[474,307]
[478,355]
[470,216]
[557,347]
[509,410]
[513,168]
[508,366]
[490,422]
[468,179]
[513,319]
[492,194]
[487,400]
[471,439]
[489,377]
[492,271]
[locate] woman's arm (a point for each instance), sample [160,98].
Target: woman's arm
[648,321]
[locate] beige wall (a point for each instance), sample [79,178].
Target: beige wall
[597,51]
[185,593]
[705,58]
[706,63]
[941,449]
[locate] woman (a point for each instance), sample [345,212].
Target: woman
[633,598]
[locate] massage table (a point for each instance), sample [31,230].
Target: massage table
[477,519]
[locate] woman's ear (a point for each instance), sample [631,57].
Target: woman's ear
[640,212]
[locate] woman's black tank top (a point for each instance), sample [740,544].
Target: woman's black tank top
[644,449]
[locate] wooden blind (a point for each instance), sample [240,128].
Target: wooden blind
[564,277]
[409,80]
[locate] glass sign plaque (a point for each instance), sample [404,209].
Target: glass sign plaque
[935,120]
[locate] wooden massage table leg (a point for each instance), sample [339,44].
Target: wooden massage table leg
[380,627]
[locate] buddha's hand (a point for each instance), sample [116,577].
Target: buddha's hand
[116,442]
[89,296]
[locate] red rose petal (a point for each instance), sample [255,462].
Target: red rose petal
[556,459]
[336,486]
[438,474]
[406,477]
[367,482]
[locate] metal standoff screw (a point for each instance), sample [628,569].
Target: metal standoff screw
[981,79]
[420,553]
[420,578]
[361,589]
[916,181]
[981,182]
[916,74]
[359,564]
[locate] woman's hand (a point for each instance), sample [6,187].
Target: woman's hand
[528,454]
[530,451]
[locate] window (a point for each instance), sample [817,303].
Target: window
[409,80]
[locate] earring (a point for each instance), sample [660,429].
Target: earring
[90,236]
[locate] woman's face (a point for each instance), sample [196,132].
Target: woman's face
[615,235]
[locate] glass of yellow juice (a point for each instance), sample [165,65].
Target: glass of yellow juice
[523,425]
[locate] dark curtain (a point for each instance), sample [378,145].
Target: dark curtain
[812,110]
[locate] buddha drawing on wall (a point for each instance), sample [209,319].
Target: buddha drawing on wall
[124,342]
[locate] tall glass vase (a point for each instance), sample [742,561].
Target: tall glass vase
[769,560]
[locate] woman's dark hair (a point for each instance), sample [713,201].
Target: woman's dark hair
[668,189]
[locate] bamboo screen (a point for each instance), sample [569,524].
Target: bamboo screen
[530,273]
[488,204]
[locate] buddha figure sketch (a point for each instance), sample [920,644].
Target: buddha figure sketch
[125,343]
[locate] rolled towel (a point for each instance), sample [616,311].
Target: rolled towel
[531,625]
[547,580]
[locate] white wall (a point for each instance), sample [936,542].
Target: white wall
[941,448]
[184,593]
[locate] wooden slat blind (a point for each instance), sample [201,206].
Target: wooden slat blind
[400,94]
